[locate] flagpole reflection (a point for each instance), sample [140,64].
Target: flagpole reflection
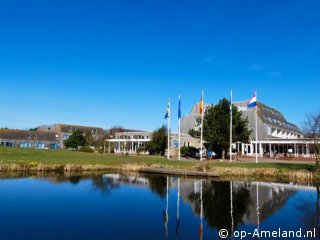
[166,214]
[231,208]
[201,212]
[178,209]
[258,208]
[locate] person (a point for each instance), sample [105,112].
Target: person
[209,154]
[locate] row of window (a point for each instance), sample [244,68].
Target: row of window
[270,130]
[272,111]
[280,123]
[30,145]
[94,131]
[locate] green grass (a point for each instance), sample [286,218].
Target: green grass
[264,165]
[64,157]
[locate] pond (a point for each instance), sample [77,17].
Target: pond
[135,206]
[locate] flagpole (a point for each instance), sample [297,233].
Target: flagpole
[179,122]
[168,153]
[256,130]
[201,138]
[231,127]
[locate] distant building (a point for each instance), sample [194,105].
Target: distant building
[276,135]
[29,139]
[271,122]
[189,121]
[64,131]
[129,142]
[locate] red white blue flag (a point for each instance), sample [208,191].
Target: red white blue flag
[253,101]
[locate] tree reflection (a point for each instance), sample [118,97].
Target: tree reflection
[158,184]
[217,207]
[104,184]
[310,215]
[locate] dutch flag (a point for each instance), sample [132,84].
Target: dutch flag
[253,101]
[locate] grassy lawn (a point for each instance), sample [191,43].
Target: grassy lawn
[64,157]
[264,165]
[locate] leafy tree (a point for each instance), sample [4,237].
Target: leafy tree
[158,143]
[89,138]
[113,130]
[193,133]
[311,129]
[216,126]
[75,140]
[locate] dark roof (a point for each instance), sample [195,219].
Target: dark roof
[85,129]
[28,135]
[275,118]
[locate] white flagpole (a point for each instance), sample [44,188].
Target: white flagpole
[231,127]
[169,110]
[231,207]
[201,138]
[256,107]
[179,122]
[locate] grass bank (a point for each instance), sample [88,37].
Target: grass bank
[21,160]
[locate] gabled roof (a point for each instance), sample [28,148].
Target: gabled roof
[271,116]
[274,117]
[28,135]
[85,129]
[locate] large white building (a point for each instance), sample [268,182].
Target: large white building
[275,133]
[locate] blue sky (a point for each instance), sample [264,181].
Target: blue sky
[117,62]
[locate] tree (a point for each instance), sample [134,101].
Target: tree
[89,138]
[216,127]
[311,130]
[113,130]
[193,133]
[75,140]
[158,143]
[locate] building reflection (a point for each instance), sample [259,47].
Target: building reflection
[216,204]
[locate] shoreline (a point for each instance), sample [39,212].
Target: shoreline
[17,160]
[201,171]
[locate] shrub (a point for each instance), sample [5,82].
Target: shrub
[86,149]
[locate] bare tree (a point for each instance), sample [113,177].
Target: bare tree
[311,130]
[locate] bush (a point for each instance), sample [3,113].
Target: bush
[141,149]
[86,149]
[189,151]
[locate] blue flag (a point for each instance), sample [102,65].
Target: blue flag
[179,109]
[168,111]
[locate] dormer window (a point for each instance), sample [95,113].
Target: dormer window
[34,136]
[28,135]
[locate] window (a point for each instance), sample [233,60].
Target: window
[28,135]
[65,136]
[269,131]
[34,135]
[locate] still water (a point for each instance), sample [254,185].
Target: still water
[134,206]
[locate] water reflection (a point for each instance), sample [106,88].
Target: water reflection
[184,208]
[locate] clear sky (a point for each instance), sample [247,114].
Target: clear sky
[116,62]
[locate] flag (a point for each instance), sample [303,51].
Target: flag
[253,101]
[179,108]
[231,102]
[201,105]
[168,111]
